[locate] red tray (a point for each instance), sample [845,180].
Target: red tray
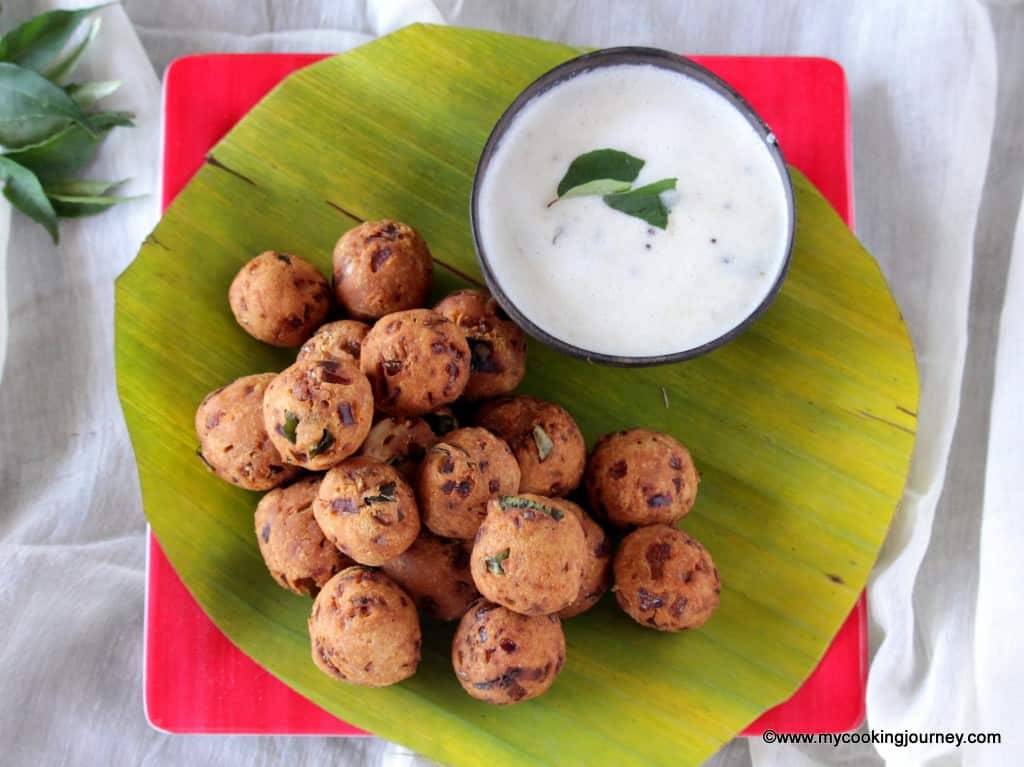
[196,681]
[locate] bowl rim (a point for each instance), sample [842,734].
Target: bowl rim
[626,55]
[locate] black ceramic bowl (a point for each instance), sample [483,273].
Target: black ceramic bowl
[610,57]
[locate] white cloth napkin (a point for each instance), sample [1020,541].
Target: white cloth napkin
[937,94]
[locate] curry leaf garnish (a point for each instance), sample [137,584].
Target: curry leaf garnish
[291,423]
[25,192]
[82,187]
[599,186]
[609,174]
[386,493]
[74,199]
[494,562]
[36,43]
[644,202]
[65,152]
[543,442]
[101,121]
[45,131]
[601,171]
[59,69]
[60,155]
[326,440]
[32,108]
[87,94]
[72,206]
[506,502]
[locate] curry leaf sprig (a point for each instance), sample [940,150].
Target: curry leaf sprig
[610,174]
[50,128]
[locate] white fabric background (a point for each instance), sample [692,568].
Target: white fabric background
[937,93]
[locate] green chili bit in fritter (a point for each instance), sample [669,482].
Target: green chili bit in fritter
[291,423]
[386,493]
[326,440]
[494,562]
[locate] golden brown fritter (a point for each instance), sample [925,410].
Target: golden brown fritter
[497,345]
[545,439]
[381,267]
[233,441]
[665,579]
[293,546]
[416,361]
[597,565]
[279,298]
[318,412]
[335,340]
[502,657]
[641,477]
[529,554]
[367,510]
[400,441]
[459,475]
[435,573]
[364,629]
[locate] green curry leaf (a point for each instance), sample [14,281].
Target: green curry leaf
[80,206]
[35,43]
[601,171]
[87,94]
[32,108]
[26,194]
[644,202]
[440,422]
[59,69]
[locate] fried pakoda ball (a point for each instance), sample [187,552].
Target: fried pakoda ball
[364,629]
[545,439]
[279,299]
[459,475]
[435,573]
[503,657]
[640,477]
[497,345]
[597,566]
[416,361]
[233,441]
[665,579]
[293,546]
[367,510]
[335,340]
[381,267]
[400,441]
[529,554]
[318,412]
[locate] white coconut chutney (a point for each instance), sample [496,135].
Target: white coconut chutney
[605,281]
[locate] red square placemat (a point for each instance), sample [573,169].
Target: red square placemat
[196,681]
